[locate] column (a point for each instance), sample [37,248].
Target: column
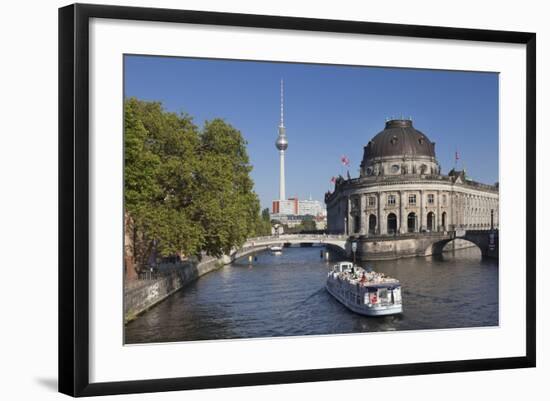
[421,226]
[464,211]
[450,216]
[379,219]
[363,215]
[468,211]
[343,215]
[402,214]
[349,219]
[438,217]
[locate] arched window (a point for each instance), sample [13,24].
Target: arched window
[372,224]
[444,221]
[392,223]
[411,223]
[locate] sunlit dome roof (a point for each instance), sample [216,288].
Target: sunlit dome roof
[399,138]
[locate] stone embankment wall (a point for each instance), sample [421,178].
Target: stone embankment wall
[140,295]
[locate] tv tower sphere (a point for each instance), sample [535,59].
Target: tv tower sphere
[281,142]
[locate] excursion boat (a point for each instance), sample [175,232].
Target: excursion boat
[364,291]
[276,249]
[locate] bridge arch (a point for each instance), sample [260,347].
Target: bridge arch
[485,240]
[436,248]
[255,245]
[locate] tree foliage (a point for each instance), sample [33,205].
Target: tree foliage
[187,190]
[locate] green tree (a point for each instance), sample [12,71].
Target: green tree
[308,225]
[160,159]
[229,208]
[186,190]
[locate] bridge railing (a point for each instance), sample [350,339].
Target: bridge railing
[282,237]
[374,237]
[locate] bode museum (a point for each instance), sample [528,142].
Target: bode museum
[401,198]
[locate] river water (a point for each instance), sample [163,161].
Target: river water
[284,295]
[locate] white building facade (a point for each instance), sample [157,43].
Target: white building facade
[311,208]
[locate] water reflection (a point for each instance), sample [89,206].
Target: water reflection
[284,295]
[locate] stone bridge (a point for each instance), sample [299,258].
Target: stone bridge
[486,241]
[255,245]
[379,246]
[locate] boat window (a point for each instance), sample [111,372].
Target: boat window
[397,295]
[373,298]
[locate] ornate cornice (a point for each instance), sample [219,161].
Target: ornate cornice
[366,182]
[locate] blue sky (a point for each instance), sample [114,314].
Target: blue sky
[330,111]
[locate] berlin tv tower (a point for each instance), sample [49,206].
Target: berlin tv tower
[282,144]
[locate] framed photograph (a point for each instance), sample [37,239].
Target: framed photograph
[251,199]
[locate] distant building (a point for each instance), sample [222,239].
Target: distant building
[321,222]
[311,207]
[294,206]
[293,220]
[287,206]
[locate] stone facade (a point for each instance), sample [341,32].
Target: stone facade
[401,191]
[398,205]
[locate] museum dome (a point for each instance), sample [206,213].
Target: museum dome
[399,139]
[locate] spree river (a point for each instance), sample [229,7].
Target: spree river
[284,295]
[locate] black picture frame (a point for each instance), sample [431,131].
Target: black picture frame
[74,194]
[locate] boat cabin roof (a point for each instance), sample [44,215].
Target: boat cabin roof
[389,286]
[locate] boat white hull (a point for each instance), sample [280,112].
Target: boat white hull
[366,310]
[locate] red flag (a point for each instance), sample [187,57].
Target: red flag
[345,160]
[333,180]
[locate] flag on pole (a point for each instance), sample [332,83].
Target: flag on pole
[345,160]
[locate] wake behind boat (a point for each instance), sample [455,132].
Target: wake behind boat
[365,292]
